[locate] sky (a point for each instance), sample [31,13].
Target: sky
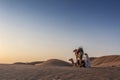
[35,30]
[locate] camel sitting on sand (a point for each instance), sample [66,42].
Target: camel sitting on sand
[73,63]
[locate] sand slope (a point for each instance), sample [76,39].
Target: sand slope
[106,61]
[55,62]
[55,69]
[30,72]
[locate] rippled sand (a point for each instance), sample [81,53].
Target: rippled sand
[30,72]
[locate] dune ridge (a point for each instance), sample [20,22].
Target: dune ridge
[54,69]
[55,62]
[106,61]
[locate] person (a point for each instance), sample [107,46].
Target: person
[87,61]
[77,57]
[80,52]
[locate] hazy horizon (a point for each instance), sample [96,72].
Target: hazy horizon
[34,30]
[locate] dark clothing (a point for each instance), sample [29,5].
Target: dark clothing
[78,62]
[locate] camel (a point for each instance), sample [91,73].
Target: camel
[73,63]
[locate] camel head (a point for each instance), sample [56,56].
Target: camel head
[71,59]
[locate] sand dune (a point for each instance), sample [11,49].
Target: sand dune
[30,72]
[106,61]
[55,69]
[29,63]
[55,62]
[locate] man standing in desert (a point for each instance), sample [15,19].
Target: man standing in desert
[87,61]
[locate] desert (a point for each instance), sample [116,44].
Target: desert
[54,69]
[59,39]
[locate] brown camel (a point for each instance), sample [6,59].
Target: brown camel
[73,63]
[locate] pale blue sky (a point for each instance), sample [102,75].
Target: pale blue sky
[41,29]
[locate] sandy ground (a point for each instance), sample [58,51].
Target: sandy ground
[31,72]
